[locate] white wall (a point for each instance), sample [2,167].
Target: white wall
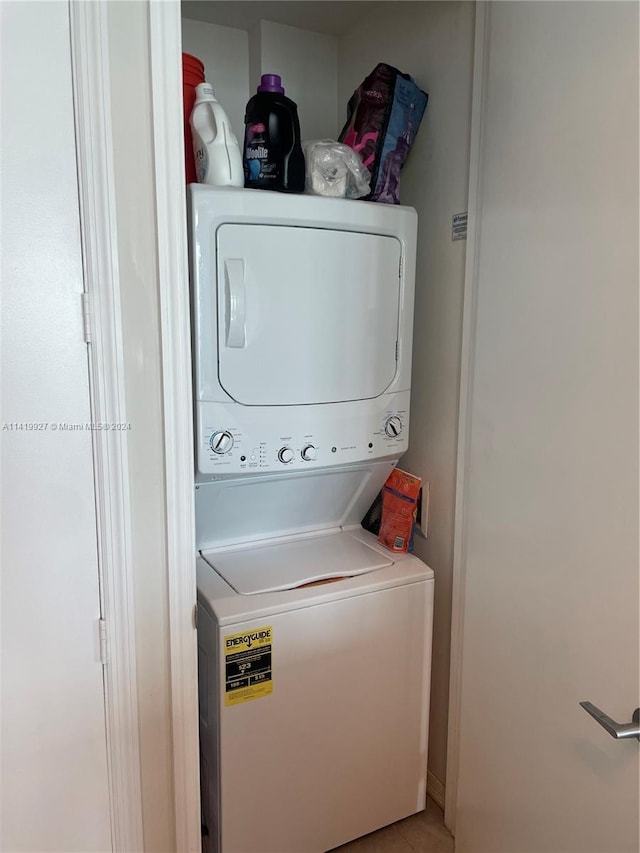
[308,64]
[128,30]
[234,59]
[434,43]
[225,54]
[54,785]
[135,202]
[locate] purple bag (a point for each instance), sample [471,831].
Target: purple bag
[383,117]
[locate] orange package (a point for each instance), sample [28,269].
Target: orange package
[400,496]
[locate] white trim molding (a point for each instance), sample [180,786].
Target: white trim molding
[435,789]
[166,77]
[92,107]
[481,52]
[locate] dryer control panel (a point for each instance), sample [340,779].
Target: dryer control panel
[234,439]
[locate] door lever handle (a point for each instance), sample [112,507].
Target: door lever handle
[616,730]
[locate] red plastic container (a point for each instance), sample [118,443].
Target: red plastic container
[192,75]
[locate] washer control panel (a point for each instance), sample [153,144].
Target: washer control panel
[393,426]
[286,455]
[309,453]
[234,439]
[221,442]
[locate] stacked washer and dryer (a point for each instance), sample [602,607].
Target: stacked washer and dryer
[314,641]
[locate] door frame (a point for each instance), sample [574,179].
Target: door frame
[175,325]
[92,102]
[103,331]
[465,405]
[96,178]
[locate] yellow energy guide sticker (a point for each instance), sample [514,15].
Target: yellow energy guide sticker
[247,659]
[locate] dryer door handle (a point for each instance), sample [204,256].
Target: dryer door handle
[236,303]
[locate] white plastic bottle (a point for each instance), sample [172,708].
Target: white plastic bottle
[215,147]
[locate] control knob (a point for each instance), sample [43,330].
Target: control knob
[393,426]
[285,454]
[309,453]
[221,441]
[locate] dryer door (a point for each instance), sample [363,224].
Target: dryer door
[306,315]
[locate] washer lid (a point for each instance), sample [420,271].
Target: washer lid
[289,565]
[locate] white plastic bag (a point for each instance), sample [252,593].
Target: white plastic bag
[334,169]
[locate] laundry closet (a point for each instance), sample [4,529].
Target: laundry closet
[524,360]
[322,51]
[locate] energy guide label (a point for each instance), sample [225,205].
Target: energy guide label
[247,659]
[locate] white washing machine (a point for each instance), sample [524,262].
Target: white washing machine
[314,641]
[314,700]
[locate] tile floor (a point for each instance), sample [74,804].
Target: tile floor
[422,833]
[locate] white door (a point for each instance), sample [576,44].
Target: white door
[551,608]
[54,764]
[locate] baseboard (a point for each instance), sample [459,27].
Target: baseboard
[435,789]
